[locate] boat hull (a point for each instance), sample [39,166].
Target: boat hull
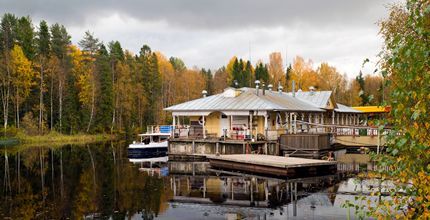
[147,152]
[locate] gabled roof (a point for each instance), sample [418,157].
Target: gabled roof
[317,98]
[346,109]
[247,99]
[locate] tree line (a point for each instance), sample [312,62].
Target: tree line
[47,83]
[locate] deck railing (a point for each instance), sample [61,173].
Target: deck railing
[243,133]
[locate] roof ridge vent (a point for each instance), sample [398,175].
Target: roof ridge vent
[312,90]
[231,92]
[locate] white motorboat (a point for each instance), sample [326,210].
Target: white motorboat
[150,146]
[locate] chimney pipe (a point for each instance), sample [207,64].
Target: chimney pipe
[280,87]
[264,88]
[293,87]
[270,86]
[204,93]
[312,90]
[257,85]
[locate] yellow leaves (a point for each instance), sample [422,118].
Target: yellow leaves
[419,199]
[22,73]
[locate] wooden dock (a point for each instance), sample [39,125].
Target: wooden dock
[273,165]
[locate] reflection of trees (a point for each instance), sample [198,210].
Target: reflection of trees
[92,179]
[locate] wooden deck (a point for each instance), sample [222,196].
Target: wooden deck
[273,165]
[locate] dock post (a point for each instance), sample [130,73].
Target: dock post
[194,169]
[291,192]
[193,147]
[174,186]
[243,149]
[252,194]
[204,187]
[295,200]
[265,148]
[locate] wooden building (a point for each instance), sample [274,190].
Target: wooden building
[256,114]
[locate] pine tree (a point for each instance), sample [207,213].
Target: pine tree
[90,45]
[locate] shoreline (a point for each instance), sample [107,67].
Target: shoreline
[56,138]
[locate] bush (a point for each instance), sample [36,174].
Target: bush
[29,125]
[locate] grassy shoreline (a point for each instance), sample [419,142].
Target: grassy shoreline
[55,137]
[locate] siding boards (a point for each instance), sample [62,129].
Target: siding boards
[304,141]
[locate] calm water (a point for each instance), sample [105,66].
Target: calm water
[99,181]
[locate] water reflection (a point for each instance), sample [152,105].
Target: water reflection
[98,180]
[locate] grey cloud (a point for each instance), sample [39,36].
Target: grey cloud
[205,14]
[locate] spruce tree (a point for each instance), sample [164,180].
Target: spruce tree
[43,44]
[236,71]
[248,75]
[151,83]
[25,36]
[105,99]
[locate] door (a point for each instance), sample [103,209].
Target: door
[224,125]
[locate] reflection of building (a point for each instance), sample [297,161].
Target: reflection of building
[226,190]
[235,189]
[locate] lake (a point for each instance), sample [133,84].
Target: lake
[100,181]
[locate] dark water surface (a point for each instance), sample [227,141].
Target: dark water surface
[99,181]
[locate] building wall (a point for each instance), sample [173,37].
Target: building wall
[213,123]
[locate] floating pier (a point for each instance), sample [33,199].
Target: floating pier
[273,165]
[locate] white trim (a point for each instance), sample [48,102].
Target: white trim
[180,113]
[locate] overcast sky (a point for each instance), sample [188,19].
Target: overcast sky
[208,33]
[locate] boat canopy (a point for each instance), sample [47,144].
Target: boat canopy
[153,134]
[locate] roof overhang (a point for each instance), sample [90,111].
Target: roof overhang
[191,113]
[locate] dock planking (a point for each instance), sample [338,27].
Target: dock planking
[273,165]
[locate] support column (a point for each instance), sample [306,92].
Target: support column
[332,118]
[231,126]
[291,123]
[303,120]
[172,132]
[265,125]
[295,123]
[337,118]
[204,127]
[250,122]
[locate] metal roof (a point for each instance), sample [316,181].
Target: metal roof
[246,100]
[317,98]
[345,109]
